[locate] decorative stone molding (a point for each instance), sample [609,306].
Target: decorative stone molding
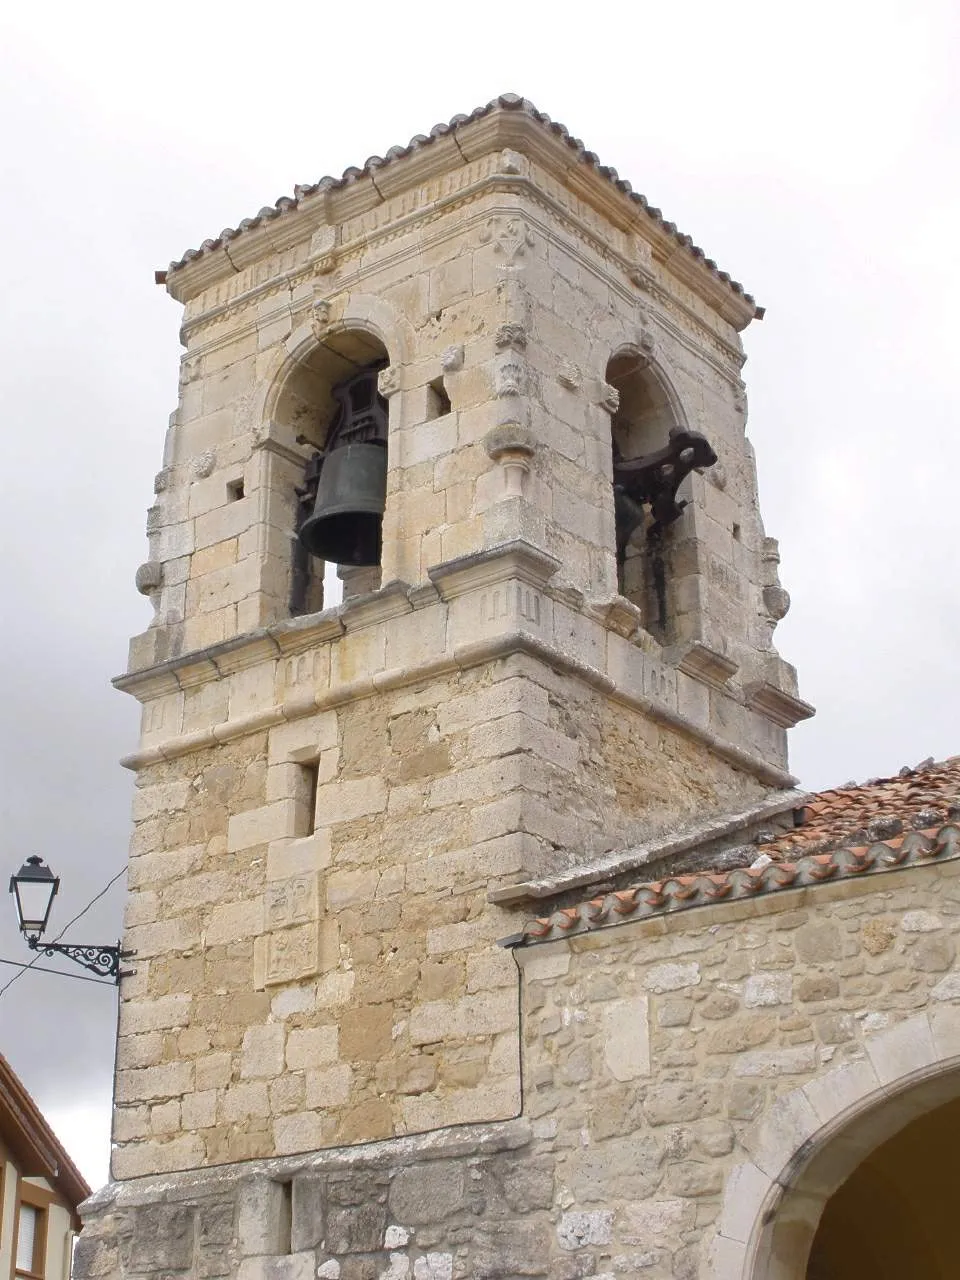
[509,235]
[704,664]
[516,559]
[608,398]
[509,379]
[161,481]
[641,272]
[451,359]
[619,615]
[190,370]
[322,257]
[782,708]
[149,577]
[776,600]
[511,335]
[511,162]
[270,436]
[717,476]
[320,318]
[569,376]
[204,464]
[388,381]
[512,445]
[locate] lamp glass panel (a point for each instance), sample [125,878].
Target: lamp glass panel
[33,903]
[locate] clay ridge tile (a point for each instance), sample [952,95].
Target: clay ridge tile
[507,101]
[685,892]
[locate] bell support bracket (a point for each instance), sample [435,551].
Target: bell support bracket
[652,480]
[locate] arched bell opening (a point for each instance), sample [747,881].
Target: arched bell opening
[645,423]
[330,403]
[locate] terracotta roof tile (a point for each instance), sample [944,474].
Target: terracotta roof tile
[876,810]
[910,819]
[506,101]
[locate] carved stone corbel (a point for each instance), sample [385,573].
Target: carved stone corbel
[608,398]
[569,376]
[320,318]
[322,257]
[388,381]
[204,464]
[149,580]
[511,335]
[509,379]
[451,359]
[513,446]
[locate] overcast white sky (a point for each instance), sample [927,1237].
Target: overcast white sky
[811,149]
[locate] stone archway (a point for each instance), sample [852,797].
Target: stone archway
[816,1137]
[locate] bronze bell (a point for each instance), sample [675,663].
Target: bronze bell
[348,512]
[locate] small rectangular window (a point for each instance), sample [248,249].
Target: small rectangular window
[438,402]
[306,798]
[30,1234]
[235,490]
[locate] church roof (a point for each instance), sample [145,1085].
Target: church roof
[852,831]
[508,102]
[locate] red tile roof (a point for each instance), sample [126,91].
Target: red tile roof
[506,101]
[35,1147]
[912,818]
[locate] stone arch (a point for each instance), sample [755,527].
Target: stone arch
[644,409]
[292,413]
[648,400]
[813,1138]
[356,312]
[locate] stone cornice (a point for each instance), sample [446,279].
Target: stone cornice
[295,220]
[721,354]
[502,599]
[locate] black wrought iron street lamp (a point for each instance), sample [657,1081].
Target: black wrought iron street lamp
[34,888]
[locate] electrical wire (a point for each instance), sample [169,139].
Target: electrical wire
[109,885]
[60,973]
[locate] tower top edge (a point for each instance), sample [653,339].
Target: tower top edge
[507,120]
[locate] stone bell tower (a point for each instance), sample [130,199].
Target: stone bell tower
[531,671]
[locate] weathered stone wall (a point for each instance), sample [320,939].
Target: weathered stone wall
[652,1055]
[298,989]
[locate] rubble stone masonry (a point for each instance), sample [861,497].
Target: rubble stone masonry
[652,1052]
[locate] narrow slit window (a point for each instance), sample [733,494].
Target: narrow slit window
[306,798]
[285,1244]
[438,402]
[235,490]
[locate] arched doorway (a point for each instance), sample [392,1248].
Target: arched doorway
[866,1139]
[894,1216]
